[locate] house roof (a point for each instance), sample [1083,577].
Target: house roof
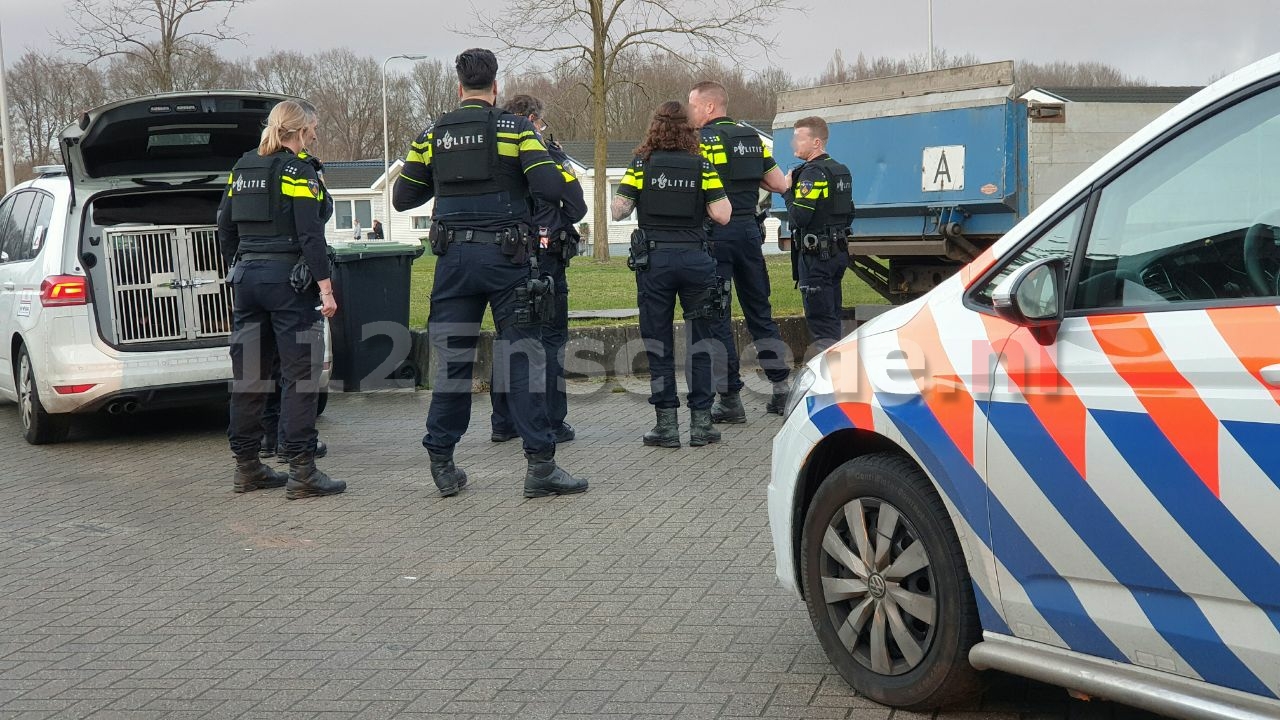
[583,152]
[1160,94]
[352,175]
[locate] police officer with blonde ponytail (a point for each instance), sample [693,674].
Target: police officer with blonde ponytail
[271,233]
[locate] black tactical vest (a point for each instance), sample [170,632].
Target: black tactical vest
[464,155]
[258,207]
[672,195]
[836,209]
[744,152]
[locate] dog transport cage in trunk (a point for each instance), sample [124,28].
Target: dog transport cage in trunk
[166,284]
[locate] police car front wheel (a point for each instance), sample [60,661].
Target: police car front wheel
[886,585]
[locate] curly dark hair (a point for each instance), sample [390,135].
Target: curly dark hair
[670,131]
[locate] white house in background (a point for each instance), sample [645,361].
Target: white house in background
[356,188]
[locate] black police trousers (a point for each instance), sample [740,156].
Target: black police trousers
[269,320]
[271,414]
[555,335]
[469,277]
[820,292]
[739,257]
[685,271]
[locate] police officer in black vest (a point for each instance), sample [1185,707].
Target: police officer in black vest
[271,235]
[558,243]
[675,190]
[820,205]
[746,166]
[481,164]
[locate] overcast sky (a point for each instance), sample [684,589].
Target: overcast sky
[1169,42]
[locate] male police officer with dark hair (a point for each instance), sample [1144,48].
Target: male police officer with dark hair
[481,164]
[558,242]
[745,165]
[271,234]
[820,205]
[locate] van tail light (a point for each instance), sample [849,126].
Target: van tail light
[63,290]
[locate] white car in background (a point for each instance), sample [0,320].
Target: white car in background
[112,290]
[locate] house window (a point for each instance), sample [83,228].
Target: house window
[344,211]
[421,222]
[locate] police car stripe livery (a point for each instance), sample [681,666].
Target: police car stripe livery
[1128,489]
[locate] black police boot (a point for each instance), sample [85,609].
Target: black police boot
[728,409]
[266,450]
[305,480]
[666,433]
[778,403]
[700,430]
[321,451]
[449,477]
[501,436]
[252,475]
[565,433]
[545,478]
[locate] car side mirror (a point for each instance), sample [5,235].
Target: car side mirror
[1033,296]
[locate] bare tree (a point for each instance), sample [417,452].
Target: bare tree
[1028,74]
[348,95]
[1068,74]
[154,33]
[48,93]
[284,72]
[433,88]
[597,34]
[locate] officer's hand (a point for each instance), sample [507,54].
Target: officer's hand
[328,306]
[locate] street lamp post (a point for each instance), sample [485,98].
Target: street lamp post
[930,34]
[5,140]
[386,144]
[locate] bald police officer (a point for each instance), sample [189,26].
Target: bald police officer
[745,165]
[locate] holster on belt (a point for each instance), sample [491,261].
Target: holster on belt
[516,242]
[638,256]
[438,237]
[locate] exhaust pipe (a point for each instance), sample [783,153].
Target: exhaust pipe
[122,407]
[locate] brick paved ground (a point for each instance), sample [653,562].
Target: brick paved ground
[134,584]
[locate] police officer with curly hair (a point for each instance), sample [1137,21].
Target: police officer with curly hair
[674,190]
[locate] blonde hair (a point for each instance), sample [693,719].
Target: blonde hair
[287,119]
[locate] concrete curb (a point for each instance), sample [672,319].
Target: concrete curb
[617,350]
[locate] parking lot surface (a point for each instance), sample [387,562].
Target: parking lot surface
[135,584]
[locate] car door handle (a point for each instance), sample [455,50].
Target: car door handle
[1271,375]
[10,286]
